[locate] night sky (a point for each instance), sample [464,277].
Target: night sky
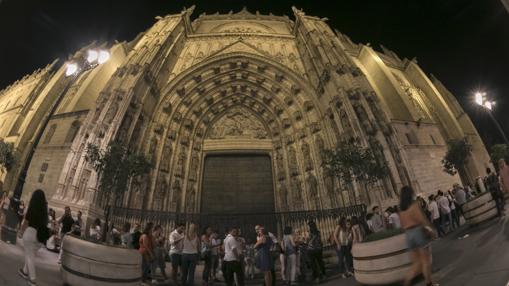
[463,43]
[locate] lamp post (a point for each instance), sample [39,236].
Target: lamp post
[72,72]
[480,99]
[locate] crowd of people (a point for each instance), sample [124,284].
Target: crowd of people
[236,258]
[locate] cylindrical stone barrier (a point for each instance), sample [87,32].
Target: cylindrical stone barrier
[87,263]
[382,261]
[479,209]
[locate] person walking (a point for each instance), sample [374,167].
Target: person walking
[34,232]
[159,254]
[290,254]
[232,263]
[315,252]
[190,255]
[435,215]
[264,261]
[147,251]
[342,237]
[418,233]
[249,260]
[176,247]
[206,254]
[493,185]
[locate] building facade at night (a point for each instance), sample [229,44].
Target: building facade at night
[234,111]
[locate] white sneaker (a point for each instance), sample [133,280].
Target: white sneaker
[154,281]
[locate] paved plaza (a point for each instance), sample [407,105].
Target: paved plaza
[470,256]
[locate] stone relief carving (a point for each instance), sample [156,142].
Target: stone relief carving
[238,123]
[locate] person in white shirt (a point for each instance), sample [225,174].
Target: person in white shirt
[232,253]
[377,220]
[435,215]
[445,210]
[176,247]
[394,221]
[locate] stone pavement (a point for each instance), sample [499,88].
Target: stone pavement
[470,256]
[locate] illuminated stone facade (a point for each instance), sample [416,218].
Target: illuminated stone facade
[239,83]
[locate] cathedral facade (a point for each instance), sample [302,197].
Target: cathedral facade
[234,112]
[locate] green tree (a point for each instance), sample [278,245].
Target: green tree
[456,157]
[115,166]
[7,155]
[350,162]
[499,151]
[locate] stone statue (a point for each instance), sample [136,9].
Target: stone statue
[313,186]
[110,114]
[194,168]
[296,191]
[166,157]
[190,199]
[283,195]
[307,156]
[292,158]
[179,171]
[280,165]
[321,147]
[152,151]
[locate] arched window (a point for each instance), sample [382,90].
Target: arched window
[73,131]
[50,133]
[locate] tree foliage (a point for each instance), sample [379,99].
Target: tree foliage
[350,162]
[7,155]
[115,166]
[499,151]
[457,155]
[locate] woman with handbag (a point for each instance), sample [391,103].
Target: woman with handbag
[34,232]
[419,234]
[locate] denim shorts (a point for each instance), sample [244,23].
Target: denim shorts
[415,238]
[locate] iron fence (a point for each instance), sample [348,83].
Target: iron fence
[326,220]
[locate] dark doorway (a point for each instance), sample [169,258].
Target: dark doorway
[238,190]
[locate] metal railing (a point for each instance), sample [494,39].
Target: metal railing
[326,220]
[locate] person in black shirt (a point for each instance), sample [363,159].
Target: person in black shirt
[136,236]
[34,232]
[66,222]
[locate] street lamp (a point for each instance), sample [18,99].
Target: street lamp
[72,71]
[481,100]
